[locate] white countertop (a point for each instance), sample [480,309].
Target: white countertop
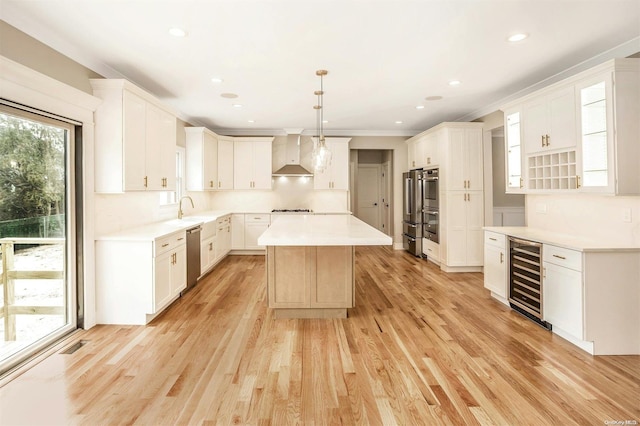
[321,230]
[156,230]
[580,243]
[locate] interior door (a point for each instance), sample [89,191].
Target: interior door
[369,195]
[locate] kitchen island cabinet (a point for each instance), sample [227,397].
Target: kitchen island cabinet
[310,263]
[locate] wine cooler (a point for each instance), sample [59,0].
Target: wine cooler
[525,279]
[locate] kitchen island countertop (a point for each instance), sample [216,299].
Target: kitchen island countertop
[322,230]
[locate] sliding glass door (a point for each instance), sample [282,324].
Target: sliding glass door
[38,297]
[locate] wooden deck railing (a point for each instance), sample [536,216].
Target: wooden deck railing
[8,309]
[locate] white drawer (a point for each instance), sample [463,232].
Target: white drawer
[257,218]
[169,242]
[495,239]
[431,250]
[560,256]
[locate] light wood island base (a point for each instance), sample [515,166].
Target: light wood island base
[310,281]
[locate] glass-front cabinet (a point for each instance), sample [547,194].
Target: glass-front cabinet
[595,138]
[513,151]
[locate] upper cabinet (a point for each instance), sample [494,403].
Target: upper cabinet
[252,163]
[336,175]
[550,121]
[579,135]
[135,139]
[202,159]
[424,150]
[225,162]
[463,149]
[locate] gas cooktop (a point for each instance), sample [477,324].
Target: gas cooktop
[291,211]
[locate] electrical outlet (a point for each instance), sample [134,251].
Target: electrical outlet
[626,215]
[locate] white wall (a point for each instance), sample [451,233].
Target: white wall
[593,216]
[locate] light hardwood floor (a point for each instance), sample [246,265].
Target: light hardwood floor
[421,347]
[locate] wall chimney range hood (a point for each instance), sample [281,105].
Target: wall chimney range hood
[292,166]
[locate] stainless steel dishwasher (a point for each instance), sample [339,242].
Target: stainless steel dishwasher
[193,256]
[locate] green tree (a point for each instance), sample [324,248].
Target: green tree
[32,168]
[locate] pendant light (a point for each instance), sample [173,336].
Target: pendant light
[321,153]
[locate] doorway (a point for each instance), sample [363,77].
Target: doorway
[371,187]
[38,231]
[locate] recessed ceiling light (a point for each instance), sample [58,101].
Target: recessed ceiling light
[419,106]
[217,80]
[237,105]
[454,82]
[398,122]
[228,95]
[517,37]
[177,32]
[433,98]
[325,121]
[251,121]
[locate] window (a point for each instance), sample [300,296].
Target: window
[172,197]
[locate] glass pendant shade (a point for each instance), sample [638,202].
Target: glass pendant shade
[321,155]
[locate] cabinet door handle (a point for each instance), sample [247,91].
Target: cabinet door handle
[164,245]
[181,238]
[219,184]
[577,181]
[542,140]
[546,138]
[146,180]
[493,239]
[501,257]
[521,182]
[559,257]
[428,160]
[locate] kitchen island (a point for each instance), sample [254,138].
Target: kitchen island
[310,263]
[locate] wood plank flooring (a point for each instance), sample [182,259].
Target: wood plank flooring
[421,348]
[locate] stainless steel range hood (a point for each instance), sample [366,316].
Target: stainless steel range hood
[292,166]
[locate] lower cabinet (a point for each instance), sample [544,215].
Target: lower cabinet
[495,265]
[562,296]
[136,280]
[246,228]
[461,230]
[302,277]
[223,238]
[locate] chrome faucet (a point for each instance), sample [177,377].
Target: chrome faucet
[180,214]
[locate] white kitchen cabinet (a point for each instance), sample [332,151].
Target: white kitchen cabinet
[579,134]
[463,149]
[609,107]
[411,153]
[223,237]
[201,159]
[426,150]
[252,163]
[207,246]
[237,232]
[135,139]
[563,299]
[336,176]
[150,274]
[495,265]
[549,121]
[431,250]
[225,162]
[513,151]
[462,219]
[254,226]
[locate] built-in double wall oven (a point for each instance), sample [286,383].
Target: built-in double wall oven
[430,205]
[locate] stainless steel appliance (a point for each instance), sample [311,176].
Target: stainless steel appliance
[525,279]
[193,256]
[431,205]
[412,207]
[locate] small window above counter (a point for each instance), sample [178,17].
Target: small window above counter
[578,135]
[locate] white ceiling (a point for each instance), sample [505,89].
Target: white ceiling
[384,57]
